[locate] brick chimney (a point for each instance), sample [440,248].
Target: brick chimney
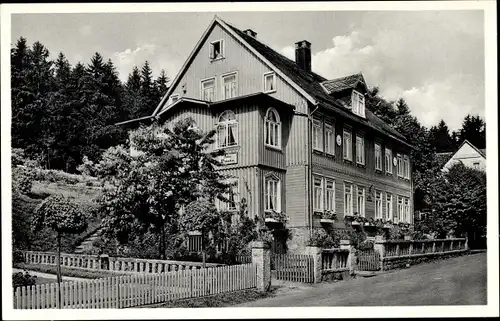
[303,54]
[250,33]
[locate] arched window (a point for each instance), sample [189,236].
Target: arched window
[272,130]
[272,193]
[227,130]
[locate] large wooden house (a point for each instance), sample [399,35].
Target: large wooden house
[295,142]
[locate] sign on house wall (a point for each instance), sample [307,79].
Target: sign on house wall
[230,158]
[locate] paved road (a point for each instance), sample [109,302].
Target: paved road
[456,281]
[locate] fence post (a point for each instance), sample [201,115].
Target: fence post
[315,252]
[379,246]
[466,245]
[351,258]
[261,259]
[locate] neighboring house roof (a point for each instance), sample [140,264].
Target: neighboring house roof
[343,83]
[481,152]
[443,158]
[309,84]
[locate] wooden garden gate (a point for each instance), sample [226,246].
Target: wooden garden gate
[367,260]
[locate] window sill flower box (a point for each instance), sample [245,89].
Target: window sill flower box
[328,217]
[275,217]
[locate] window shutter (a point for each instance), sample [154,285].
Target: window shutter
[212,53]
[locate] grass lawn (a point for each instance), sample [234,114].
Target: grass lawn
[218,300]
[52,269]
[41,280]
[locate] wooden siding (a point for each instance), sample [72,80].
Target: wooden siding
[248,187]
[237,58]
[341,178]
[251,72]
[367,171]
[296,196]
[248,129]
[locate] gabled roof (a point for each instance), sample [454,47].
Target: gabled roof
[343,83]
[443,158]
[479,151]
[308,84]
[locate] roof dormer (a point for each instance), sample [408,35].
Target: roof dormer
[349,90]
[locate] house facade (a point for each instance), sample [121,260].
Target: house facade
[295,142]
[468,155]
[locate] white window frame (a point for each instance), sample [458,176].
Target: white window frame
[378,157]
[406,162]
[272,127]
[233,123]
[347,146]
[266,75]
[202,88]
[318,195]
[211,50]
[348,204]
[329,138]
[400,168]
[388,160]
[406,207]
[223,84]
[358,103]
[361,206]
[389,206]
[329,195]
[317,134]
[360,149]
[379,209]
[400,208]
[272,184]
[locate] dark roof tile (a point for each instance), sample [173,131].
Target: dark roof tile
[343,83]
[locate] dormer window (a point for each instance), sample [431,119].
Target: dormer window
[358,103]
[217,49]
[269,82]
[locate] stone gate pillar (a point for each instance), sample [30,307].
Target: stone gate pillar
[261,258]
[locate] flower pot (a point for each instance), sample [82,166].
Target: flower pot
[355,223]
[326,220]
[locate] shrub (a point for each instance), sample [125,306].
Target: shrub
[22,180]
[17,256]
[20,279]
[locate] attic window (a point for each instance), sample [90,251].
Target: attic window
[174,98]
[269,82]
[217,49]
[358,103]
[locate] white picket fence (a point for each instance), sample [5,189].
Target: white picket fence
[137,289]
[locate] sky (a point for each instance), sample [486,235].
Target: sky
[433,59]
